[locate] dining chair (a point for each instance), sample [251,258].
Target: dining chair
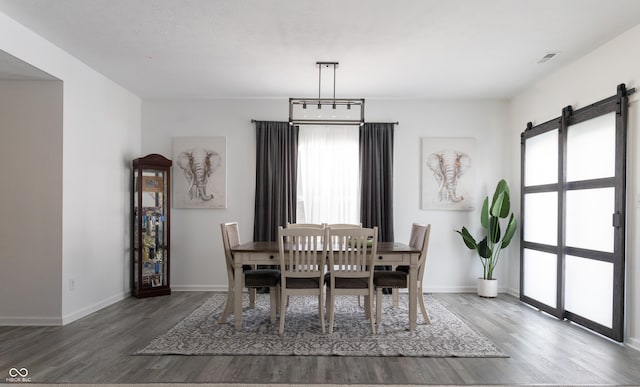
[305,225]
[351,267]
[251,278]
[303,253]
[346,225]
[399,278]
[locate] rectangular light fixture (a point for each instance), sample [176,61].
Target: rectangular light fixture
[337,111]
[326,111]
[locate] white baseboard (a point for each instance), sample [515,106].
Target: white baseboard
[463,289]
[64,320]
[30,321]
[199,288]
[445,289]
[218,288]
[513,292]
[633,343]
[71,317]
[429,289]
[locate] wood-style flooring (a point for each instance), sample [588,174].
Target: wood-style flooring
[97,348]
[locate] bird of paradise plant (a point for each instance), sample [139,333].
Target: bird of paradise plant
[490,247]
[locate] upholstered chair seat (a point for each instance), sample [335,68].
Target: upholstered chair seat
[261,278]
[347,283]
[396,279]
[303,283]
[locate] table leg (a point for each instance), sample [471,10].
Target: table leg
[237,294]
[413,292]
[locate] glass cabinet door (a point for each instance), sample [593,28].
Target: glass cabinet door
[150,240]
[154,235]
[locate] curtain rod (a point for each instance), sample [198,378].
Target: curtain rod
[366,122]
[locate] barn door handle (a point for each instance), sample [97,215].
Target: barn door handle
[617,220]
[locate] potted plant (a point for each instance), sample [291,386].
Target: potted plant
[495,240]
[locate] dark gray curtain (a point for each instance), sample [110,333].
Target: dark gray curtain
[376,178]
[276,183]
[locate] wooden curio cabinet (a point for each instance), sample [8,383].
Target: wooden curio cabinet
[150,228]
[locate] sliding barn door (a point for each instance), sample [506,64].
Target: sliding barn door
[573,215]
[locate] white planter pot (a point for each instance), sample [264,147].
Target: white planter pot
[487,288]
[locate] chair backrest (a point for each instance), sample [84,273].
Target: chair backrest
[230,238]
[303,251]
[352,251]
[344,225]
[305,225]
[420,238]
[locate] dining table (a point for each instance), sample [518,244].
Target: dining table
[268,253]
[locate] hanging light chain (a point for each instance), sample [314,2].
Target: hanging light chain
[334,85]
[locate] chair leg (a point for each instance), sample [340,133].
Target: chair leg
[228,307]
[330,299]
[396,298]
[273,303]
[423,308]
[321,310]
[252,298]
[369,300]
[379,306]
[283,310]
[367,310]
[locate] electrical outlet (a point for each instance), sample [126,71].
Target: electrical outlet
[72,285]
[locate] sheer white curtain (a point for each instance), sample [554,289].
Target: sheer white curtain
[328,174]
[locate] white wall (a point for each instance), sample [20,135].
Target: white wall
[100,135]
[451,267]
[587,80]
[197,253]
[31,205]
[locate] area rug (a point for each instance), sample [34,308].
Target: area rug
[200,333]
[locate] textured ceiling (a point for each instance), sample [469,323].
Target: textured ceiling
[268,48]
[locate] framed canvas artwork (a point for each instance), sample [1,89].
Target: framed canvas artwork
[200,172]
[448,173]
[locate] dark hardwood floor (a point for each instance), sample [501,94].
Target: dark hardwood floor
[96,349]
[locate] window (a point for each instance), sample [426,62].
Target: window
[328,174]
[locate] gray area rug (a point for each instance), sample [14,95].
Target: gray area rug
[200,333]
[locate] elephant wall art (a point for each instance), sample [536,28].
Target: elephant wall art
[199,172]
[447,174]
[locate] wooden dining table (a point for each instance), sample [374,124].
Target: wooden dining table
[268,253]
